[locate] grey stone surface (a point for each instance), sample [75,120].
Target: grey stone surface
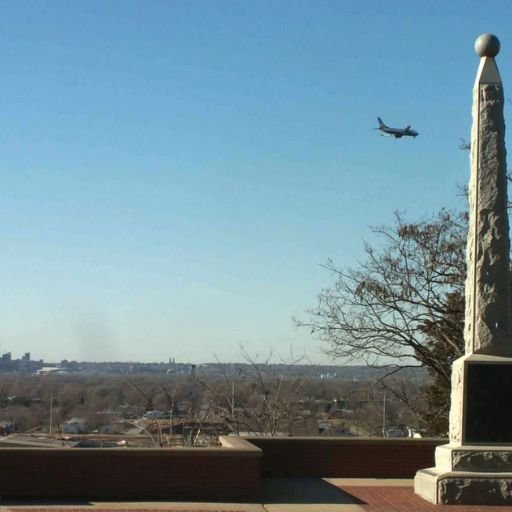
[487,325]
[487,45]
[470,472]
[491,461]
[477,415]
[457,400]
[486,459]
[425,484]
[463,487]
[475,491]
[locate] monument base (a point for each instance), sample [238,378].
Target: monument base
[481,390]
[468,475]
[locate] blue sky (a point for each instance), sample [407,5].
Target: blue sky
[174,173]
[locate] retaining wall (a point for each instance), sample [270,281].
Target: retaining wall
[345,457]
[232,472]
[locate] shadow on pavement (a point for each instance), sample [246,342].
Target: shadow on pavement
[304,491]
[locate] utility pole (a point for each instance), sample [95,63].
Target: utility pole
[51,411]
[384,415]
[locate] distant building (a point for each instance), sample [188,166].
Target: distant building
[8,427]
[401,431]
[155,415]
[47,370]
[75,426]
[23,365]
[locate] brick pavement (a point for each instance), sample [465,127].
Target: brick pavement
[363,495]
[403,499]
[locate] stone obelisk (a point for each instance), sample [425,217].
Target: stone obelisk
[476,466]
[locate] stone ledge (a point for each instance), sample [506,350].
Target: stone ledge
[464,487]
[486,459]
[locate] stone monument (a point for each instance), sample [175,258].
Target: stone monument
[476,466]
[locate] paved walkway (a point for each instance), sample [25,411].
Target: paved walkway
[286,495]
[401,498]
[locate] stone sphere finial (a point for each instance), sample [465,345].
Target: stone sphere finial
[487,45]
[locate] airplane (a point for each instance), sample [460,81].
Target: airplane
[396,132]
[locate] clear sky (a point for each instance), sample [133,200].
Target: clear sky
[174,173]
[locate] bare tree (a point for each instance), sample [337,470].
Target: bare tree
[404,305]
[258,397]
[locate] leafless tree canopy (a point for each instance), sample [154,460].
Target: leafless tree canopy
[389,308]
[258,399]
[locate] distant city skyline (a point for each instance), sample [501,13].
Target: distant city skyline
[173,175]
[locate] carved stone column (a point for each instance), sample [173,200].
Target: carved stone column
[476,466]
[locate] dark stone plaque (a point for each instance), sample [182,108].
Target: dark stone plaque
[488,417]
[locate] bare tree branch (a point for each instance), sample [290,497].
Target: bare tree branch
[404,303]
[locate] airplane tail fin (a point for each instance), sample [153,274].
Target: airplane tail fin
[381,124]
[407,128]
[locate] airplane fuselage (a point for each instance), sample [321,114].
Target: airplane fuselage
[396,132]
